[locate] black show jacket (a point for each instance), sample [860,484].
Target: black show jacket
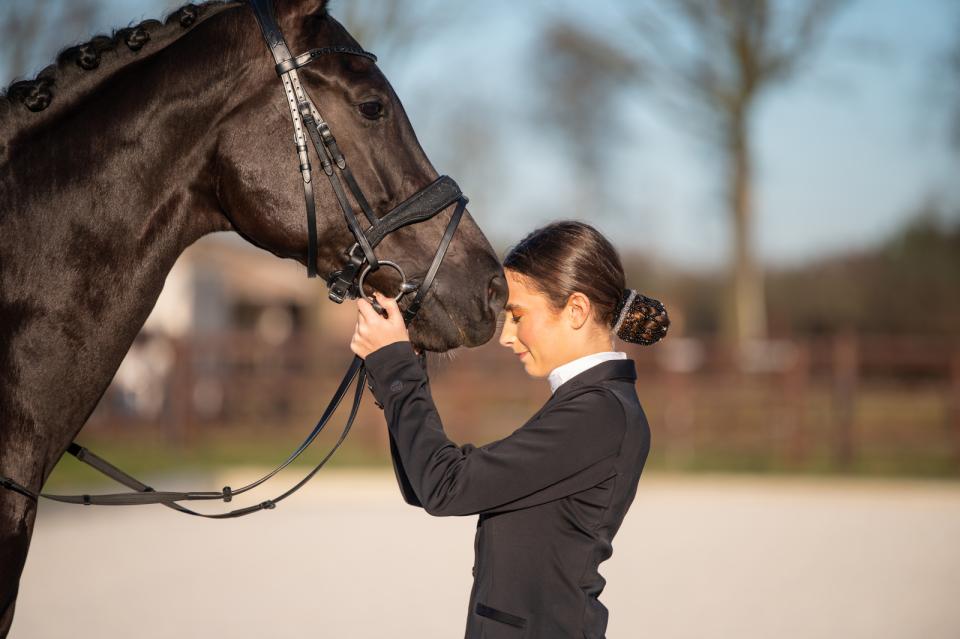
[551,496]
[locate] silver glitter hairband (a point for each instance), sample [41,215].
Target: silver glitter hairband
[624,310]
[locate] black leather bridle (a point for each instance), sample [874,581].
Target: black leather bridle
[307,121]
[344,283]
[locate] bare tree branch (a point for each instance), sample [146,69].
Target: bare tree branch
[583,75]
[391,27]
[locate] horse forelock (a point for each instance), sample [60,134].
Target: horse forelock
[93,61]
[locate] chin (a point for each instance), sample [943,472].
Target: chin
[533,370]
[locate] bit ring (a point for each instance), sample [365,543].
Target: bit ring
[404,286]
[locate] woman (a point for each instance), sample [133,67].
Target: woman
[552,495]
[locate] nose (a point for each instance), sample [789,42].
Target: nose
[506,335]
[497,294]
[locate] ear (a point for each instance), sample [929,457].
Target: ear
[299,8]
[578,310]
[299,21]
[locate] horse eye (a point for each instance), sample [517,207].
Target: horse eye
[371,110]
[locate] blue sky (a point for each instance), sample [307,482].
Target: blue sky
[845,152]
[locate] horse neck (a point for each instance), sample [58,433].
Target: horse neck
[95,207]
[118,155]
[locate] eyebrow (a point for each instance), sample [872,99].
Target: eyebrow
[513,307]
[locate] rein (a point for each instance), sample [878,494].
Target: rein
[147,495]
[346,283]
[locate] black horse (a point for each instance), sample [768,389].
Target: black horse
[133,146]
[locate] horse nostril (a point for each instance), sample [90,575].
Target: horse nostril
[497,293]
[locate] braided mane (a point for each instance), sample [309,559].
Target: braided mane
[102,52]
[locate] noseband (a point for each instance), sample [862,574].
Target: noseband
[345,283]
[421,206]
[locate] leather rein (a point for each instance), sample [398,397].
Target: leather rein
[345,283]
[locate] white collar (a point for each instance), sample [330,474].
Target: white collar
[564,372]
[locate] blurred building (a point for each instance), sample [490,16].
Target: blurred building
[222,296]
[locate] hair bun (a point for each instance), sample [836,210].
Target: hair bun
[640,319]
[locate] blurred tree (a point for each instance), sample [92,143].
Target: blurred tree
[711,61]
[717,59]
[26,38]
[583,75]
[909,284]
[954,79]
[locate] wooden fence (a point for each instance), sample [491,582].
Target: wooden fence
[843,402]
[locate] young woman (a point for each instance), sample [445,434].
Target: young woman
[553,494]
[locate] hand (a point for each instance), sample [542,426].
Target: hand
[374,331]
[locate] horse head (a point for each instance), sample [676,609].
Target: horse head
[260,186]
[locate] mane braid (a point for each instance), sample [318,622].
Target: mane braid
[73,63]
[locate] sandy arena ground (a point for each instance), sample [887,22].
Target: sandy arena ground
[696,557]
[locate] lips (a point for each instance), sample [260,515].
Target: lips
[520,355]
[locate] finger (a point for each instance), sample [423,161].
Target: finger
[387,302]
[375,304]
[389,305]
[367,313]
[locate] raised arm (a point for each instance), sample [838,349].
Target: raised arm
[406,489]
[566,447]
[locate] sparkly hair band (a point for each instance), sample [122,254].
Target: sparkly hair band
[625,301]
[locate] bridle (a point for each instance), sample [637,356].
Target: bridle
[345,283]
[422,205]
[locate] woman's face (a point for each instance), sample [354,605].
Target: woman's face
[531,327]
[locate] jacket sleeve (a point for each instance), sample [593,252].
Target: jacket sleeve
[567,447]
[409,495]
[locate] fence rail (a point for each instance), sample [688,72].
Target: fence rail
[841,402]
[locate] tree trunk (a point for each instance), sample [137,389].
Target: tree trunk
[747,314]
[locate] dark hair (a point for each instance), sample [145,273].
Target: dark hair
[570,256]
